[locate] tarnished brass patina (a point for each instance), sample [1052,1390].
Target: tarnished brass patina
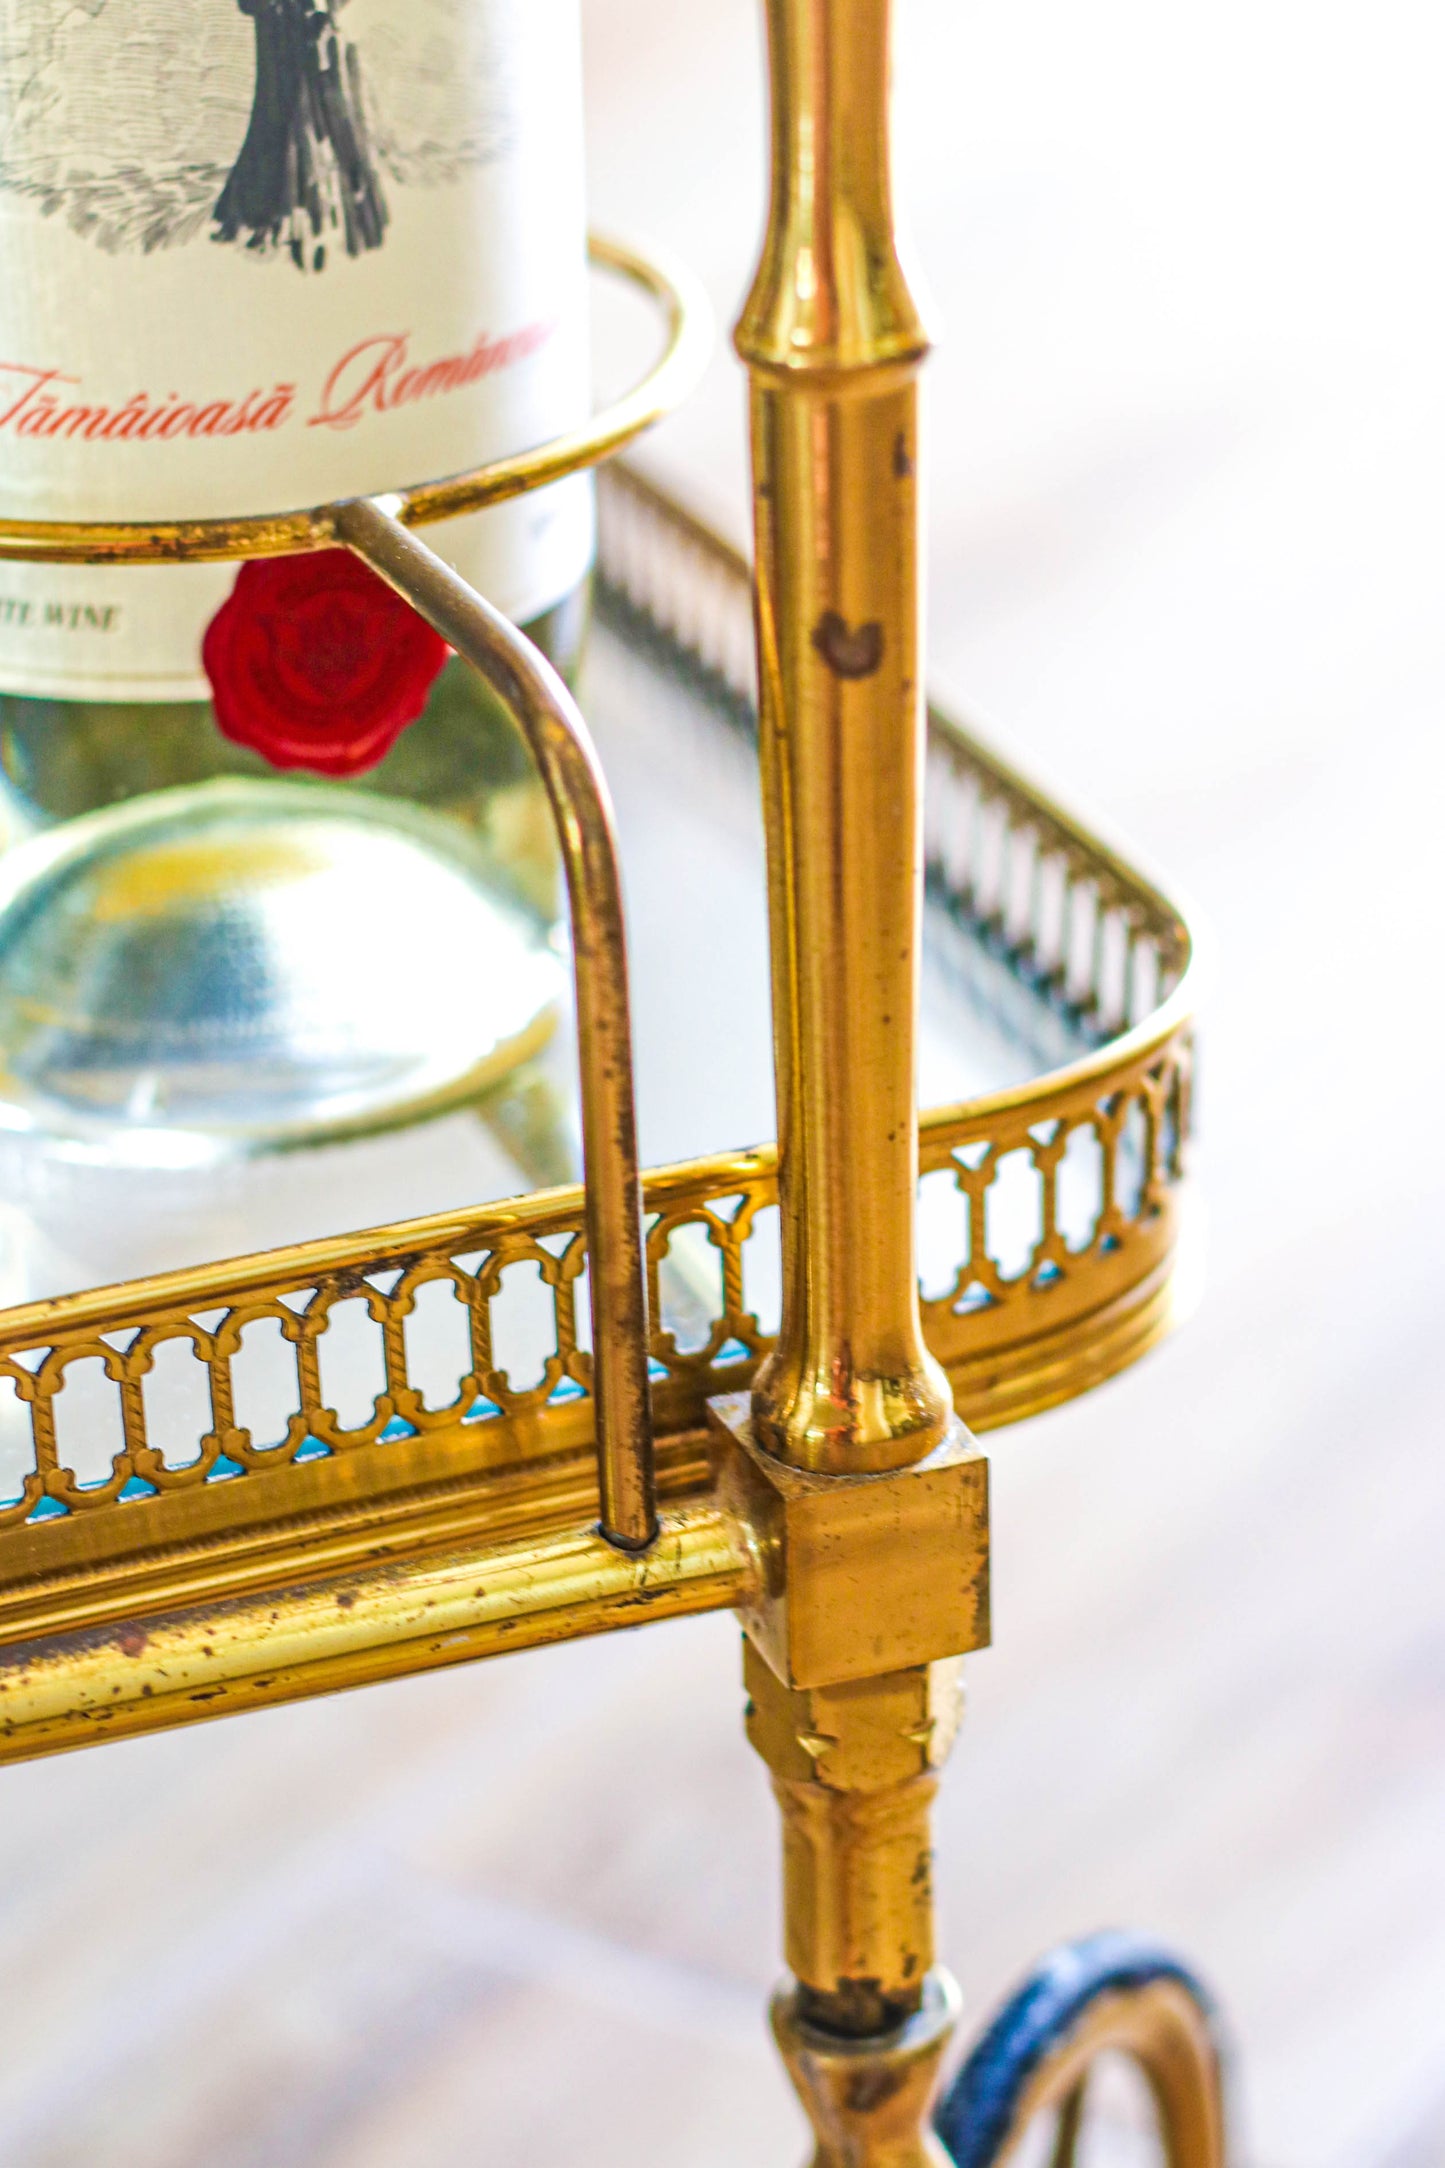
[481,1596]
[855,1767]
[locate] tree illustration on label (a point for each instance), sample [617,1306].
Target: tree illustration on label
[305,175]
[149,125]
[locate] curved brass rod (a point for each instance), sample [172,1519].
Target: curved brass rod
[560,745]
[283,534]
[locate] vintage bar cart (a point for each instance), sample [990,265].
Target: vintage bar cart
[818,1481]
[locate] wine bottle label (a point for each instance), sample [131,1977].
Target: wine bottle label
[258,254]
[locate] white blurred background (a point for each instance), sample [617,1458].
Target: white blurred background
[1186,468]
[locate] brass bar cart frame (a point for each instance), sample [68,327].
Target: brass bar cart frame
[821,1484]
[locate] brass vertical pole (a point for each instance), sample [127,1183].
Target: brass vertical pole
[850,1402]
[833,343]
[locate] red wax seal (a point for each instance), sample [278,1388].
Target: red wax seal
[316,663]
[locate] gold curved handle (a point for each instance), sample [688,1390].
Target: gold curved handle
[577,792]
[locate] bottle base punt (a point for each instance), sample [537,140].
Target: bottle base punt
[236,967]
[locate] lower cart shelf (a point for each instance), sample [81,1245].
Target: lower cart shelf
[166,1554]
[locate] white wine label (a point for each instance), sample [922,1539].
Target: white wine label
[255,254]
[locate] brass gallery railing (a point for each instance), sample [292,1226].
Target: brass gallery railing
[1077,924]
[178,1514]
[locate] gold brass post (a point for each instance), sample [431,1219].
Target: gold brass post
[867,1501]
[833,344]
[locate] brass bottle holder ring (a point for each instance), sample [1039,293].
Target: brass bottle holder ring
[674,291]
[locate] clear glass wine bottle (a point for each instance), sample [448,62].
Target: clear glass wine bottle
[253,257]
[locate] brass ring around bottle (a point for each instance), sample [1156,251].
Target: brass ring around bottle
[684,308]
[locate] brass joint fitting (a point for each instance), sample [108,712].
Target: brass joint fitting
[859,1575]
[869,2100]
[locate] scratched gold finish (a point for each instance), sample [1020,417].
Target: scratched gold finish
[345,1629]
[821,1483]
[855,1767]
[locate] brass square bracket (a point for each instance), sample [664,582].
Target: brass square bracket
[858,1575]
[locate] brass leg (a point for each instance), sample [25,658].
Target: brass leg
[865,2025]
[866,1501]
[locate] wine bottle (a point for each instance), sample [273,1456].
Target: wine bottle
[274,866]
